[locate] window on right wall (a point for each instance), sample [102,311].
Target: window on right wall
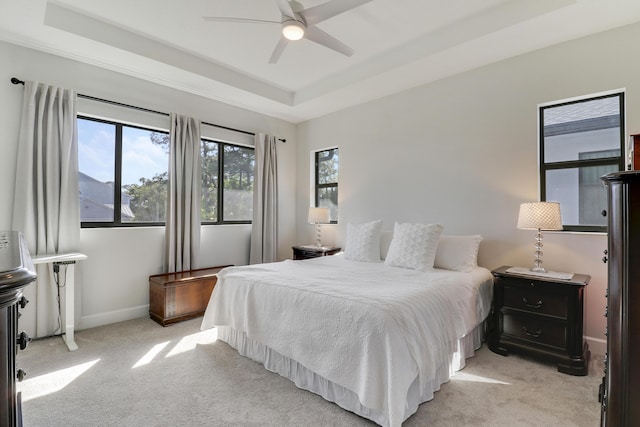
[581,140]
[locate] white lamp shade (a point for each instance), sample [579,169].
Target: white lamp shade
[318,215]
[540,215]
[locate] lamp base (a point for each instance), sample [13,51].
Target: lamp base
[318,240]
[537,263]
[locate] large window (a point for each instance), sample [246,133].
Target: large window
[124,176]
[326,181]
[580,141]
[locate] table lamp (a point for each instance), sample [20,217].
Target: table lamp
[539,216]
[318,216]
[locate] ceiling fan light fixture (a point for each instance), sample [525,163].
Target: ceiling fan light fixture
[292,30]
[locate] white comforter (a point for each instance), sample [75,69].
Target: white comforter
[365,326]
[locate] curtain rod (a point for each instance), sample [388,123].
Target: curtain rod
[16,81]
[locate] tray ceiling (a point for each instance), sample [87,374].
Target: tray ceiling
[398,44]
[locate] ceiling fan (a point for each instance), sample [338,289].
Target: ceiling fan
[300,23]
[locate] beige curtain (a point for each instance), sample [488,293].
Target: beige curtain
[264,230]
[182,232]
[46,205]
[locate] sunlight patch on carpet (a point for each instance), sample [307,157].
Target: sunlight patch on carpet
[461,376]
[43,385]
[189,342]
[150,355]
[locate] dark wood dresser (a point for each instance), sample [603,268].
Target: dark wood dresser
[542,317]
[620,390]
[16,272]
[174,297]
[312,251]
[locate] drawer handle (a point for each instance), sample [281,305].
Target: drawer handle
[528,304]
[535,334]
[23,340]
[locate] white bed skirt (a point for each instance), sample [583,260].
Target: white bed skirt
[309,380]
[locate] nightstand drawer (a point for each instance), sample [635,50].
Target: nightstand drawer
[305,254]
[532,298]
[310,251]
[535,330]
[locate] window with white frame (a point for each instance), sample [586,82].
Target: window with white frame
[326,164]
[581,140]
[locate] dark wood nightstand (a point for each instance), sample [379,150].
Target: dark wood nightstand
[540,316]
[312,251]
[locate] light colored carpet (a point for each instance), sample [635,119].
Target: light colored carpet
[137,373]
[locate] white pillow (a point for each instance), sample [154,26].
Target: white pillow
[458,253]
[363,241]
[414,246]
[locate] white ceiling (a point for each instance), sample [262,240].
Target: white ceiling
[398,44]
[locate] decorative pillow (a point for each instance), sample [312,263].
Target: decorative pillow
[363,242]
[458,253]
[414,246]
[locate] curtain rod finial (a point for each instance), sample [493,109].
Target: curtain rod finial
[16,81]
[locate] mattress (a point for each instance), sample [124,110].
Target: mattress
[377,340]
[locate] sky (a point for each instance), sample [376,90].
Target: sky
[96,152]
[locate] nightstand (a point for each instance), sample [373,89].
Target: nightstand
[312,251]
[541,317]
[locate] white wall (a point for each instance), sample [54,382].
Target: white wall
[463,152]
[112,284]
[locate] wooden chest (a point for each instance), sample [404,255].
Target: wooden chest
[174,297]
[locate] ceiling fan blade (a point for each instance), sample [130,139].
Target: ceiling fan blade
[277,52]
[285,8]
[315,34]
[241,20]
[321,12]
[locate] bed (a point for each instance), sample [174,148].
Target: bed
[374,338]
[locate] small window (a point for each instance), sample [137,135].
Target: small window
[210,179]
[326,181]
[231,165]
[145,160]
[237,192]
[97,169]
[580,141]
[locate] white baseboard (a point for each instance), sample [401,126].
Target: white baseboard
[101,319]
[596,345]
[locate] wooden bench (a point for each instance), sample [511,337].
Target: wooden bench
[174,297]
